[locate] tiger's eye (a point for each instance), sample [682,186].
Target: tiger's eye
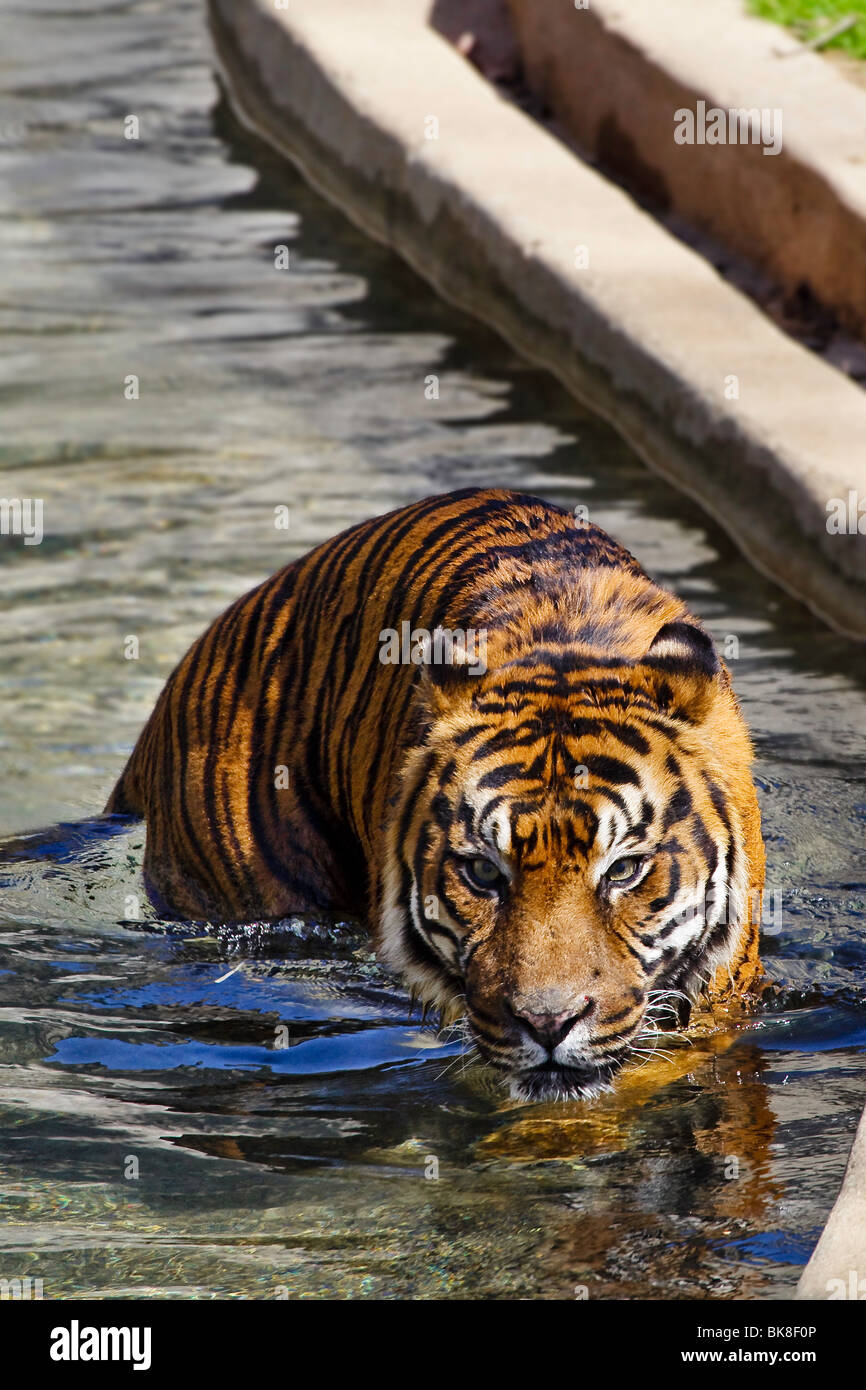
[482,872]
[623,869]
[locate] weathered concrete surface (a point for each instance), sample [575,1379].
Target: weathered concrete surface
[838,1263]
[616,73]
[491,210]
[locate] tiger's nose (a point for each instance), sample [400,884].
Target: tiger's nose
[551,1029]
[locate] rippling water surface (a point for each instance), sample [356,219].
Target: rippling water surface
[251,1114]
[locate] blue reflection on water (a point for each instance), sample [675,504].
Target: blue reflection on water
[375,1047]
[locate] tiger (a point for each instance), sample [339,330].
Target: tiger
[476,726]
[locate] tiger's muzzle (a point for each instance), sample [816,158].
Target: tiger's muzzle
[556,1047]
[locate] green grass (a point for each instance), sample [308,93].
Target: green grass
[808,17]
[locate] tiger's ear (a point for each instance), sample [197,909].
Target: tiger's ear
[453,662]
[685,667]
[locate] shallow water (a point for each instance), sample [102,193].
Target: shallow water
[253,1114]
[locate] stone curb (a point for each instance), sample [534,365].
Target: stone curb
[837,1268]
[617,73]
[389,122]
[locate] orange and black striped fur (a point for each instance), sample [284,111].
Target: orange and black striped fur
[564,844]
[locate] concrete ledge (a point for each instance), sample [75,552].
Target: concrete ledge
[837,1268]
[616,73]
[491,212]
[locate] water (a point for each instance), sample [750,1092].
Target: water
[248,1114]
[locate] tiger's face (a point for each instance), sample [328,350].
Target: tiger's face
[567,861]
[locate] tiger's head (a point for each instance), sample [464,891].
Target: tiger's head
[567,860]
